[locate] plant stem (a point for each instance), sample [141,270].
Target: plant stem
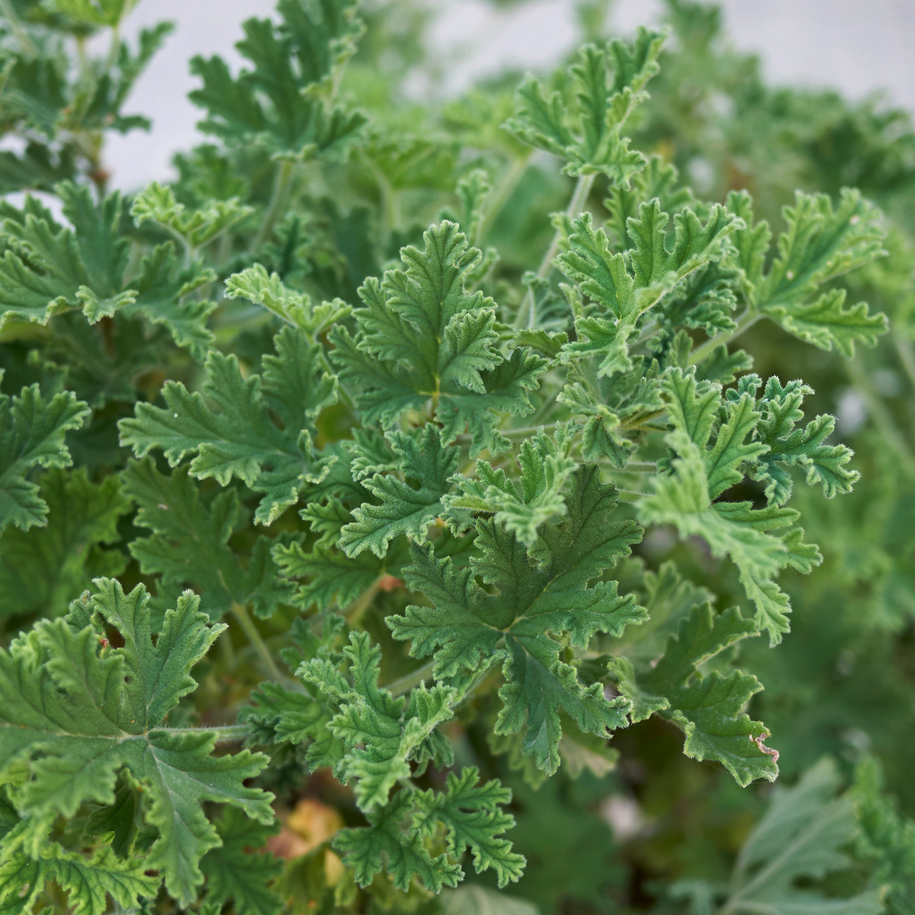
[745,321]
[502,194]
[224,732]
[528,309]
[633,467]
[240,613]
[114,48]
[527,431]
[906,353]
[276,204]
[354,611]
[408,681]
[19,30]
[632,492]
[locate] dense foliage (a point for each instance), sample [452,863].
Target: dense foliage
[386,502]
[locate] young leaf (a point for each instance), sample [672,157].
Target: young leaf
[628,283]
[381,733]
[805,448]
[473,820]
[403,508]
[761,541]
[267,289]
[384,844]
[157,203]
[522,508]
[423,338]
[608,85]
[821,243]
[87,881]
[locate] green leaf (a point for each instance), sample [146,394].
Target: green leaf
[532,606]
[708,708]
[190,542]
[32,434]
[241,440]
[47,268]
[42,568]
[381,734]
[278,102]
[385,844]
[820,244]
[162,287]
[761,541]
[297,308]
[403,508]
[827,324]
[789,447]
[423,338]
[626,284]
[537,497]
[795,845]
[333,577]
[608,85]
[237,876]
[473,821]
[157,203]
[76,714]
[87,881]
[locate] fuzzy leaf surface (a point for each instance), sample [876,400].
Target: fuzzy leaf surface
[32,433]
[189,542]
[708,708]
[42,568]
[821,242]
[239,439]
[466,626]
[76,714]
[608,85]
[423,338]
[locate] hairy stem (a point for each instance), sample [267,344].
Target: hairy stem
[353,612]
[277,202]
[224,732]
[746,320]
[527,313]
[503,192]
[240,613]
[408,681]
[906,353]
